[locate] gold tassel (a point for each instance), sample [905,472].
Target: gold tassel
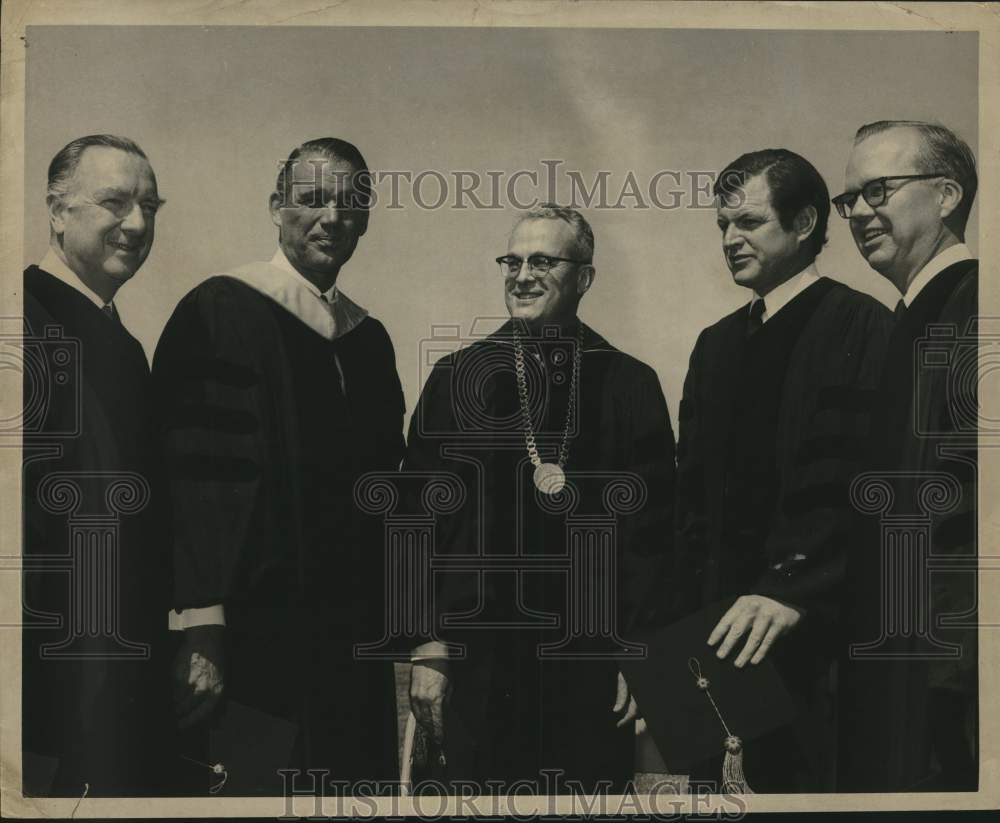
[733,780]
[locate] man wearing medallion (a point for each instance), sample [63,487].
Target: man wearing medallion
[539,420]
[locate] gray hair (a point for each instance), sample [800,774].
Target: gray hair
[942,151]
[64,164]
[579,224]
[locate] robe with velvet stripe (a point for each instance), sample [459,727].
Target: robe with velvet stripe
[911,724]
[772,431]
[266,426]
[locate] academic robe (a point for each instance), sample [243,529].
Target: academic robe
[911,724]
[96,709]
[267,425]
[513,711]
[772,429]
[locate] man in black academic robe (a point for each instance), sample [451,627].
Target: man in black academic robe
[95,696]
[277,393]
[773,418]
[909,685]
[535,570]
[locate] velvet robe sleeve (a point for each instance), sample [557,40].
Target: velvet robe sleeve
[214,406]
[824,427]
[948,407]
[685,581]
[433,427]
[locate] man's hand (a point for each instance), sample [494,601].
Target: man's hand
[430,690]
[624,702]
[766,619]
[198,674]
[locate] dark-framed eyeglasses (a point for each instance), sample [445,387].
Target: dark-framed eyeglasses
[510,264]
[875,192]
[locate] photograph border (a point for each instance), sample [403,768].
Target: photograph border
[17,15]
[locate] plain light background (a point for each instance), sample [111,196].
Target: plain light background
[216,109]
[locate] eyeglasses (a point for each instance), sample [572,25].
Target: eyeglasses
[875,192]
[510,264]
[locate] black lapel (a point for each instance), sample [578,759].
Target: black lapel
[926,306]
[80,317]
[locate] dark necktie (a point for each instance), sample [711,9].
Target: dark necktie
[111,312]
[756,317]
[900,310]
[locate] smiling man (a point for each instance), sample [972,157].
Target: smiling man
[96,702]
[774,407]
[277,392]
[542,403]
[909,719]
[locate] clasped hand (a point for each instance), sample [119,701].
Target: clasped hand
[198,674]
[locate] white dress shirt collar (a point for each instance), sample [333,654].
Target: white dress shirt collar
[776,299]
[281,261]
[936,265]
[282,283]
[54,265]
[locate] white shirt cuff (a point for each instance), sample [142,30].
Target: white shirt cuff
[189,618]
[435,650]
